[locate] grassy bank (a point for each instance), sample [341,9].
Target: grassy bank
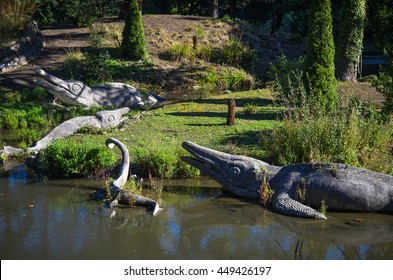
[154,141]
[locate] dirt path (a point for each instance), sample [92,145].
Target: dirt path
[161,31]
[58,40]
[61,39]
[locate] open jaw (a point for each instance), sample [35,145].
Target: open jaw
[69,92]
[204,159]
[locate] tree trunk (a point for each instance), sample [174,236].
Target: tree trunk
[231,112]
[125,6]
[276,21]
[350,39]
[215,9]
[195,42]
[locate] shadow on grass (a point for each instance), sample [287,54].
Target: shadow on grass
[240,102]
[261,116]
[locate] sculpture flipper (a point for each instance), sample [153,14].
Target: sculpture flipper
[283,204]
[338,186]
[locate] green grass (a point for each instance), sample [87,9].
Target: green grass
[155,141]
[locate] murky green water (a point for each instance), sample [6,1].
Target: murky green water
[55,220]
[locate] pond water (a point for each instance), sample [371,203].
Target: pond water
[55,219]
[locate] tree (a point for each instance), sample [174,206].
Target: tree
[124,6]
[133,43]
[319,63]
[215,9]
[350,39]
[381,19]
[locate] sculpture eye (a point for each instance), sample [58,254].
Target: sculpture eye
[111,118]
[76,88]
[235,172]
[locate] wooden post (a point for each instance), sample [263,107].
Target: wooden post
[231,112]
[195,42]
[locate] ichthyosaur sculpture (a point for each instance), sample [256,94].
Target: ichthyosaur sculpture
[118,196]
[101,120]
[117,95]
[339,186]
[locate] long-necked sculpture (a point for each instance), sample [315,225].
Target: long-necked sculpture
[117,95]
[340,186]
[101,120]
[118,196]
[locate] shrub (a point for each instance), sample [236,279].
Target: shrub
[95,68]
[319,63]
[344,137]
[27,137]
[73,64]
[36,95]
[235,54]
[70,157]
[27,117]
[384,84]
[286,81]
[14,15]
[10,118]
[250,108]
[180,51]
[35,117]
[161,162]
[133,42]
[79,12]
[227,78]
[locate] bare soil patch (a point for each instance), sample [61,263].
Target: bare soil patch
[162,31]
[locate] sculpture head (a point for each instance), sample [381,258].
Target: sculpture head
[70,92]
[111,118]
[240,175]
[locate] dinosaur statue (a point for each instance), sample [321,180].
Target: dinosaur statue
[101,120]
[339,186]
[117,95]
[117,195]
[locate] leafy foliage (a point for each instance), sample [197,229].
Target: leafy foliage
[319,63]
[96,59]
[350,39]
[75,158]
[348,136]
[287,81]
[161,162]
[79,12]
[227,78]
[133,43]
[13,16]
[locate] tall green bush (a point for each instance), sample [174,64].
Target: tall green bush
[319,63]
[133,42]
[70,157]
[350,39]
[345,137]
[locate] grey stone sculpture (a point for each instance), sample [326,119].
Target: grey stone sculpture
[118,196]
[28,46]
[117,95]
[101,120]
[340,186]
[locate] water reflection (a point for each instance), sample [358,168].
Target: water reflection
[56,220]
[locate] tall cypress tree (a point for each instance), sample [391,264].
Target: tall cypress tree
[133,43]
[350,39]
[319,63]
